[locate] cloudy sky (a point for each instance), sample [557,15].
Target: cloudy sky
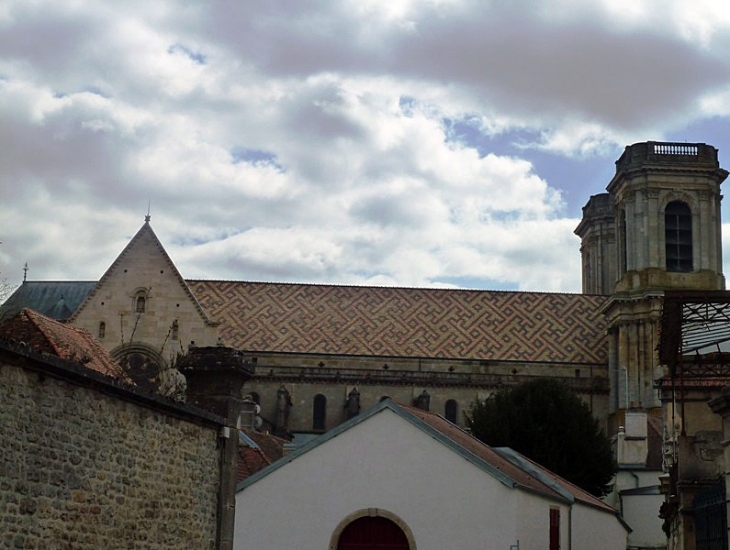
[399,142]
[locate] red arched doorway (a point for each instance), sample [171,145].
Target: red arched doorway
[373,533]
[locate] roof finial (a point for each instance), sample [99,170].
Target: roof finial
[25,272]
[148,217]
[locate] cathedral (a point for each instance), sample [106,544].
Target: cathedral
[322,353]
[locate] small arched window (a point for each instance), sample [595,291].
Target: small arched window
[102,330]
[678,236]
[319,412]
[140,301]
[451,411]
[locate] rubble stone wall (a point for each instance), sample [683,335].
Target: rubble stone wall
[82,469]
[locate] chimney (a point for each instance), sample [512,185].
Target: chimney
[215,377]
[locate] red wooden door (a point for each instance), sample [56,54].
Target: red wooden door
[372,533]
[554,529]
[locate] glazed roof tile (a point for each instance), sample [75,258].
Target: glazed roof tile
[406,322]
[384,321]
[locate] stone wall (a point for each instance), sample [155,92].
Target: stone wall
[145,270]
[82,467]
[403,379]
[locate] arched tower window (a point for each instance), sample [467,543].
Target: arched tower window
[102,330]
[678,236]
[319,412]
[451,410]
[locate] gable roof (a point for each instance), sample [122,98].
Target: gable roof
[64,341]
[505,465]
[256,451]
[407,322]
[525,472]
[144,232]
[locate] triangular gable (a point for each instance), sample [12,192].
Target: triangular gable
[129,250]
[486,460]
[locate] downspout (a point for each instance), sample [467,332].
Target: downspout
[228,441]
[570,527]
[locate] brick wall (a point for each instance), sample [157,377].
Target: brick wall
[82,468]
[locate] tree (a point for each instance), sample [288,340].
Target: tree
[6,289]
[548,423]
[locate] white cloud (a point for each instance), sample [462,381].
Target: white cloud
[314,140]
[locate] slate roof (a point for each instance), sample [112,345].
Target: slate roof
[55,299]
[506,465]
[65,341]
[406,322]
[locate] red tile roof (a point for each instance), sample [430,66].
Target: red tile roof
[267,449]
[64,341]
[406,322]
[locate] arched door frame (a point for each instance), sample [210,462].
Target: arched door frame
[372,512]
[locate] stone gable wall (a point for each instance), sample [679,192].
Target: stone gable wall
[145,267]
[80,469]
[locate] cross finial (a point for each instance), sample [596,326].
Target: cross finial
[25,272]
[148,217]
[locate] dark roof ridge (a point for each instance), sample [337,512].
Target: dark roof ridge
[391,287]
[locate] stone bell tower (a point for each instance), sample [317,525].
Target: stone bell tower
[658,228]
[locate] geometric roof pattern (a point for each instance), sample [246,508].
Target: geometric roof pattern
[406,322]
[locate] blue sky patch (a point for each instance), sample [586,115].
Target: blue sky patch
[198,57]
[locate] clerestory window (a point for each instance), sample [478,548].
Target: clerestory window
[451,411]
[319,412]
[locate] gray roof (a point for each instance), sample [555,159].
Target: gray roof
[54,299]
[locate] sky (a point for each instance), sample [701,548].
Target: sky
[441,143]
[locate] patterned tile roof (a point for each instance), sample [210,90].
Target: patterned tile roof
[64,341]
[406,322]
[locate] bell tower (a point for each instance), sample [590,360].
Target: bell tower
[659,228]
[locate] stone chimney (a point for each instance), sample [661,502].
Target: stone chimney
[215,377]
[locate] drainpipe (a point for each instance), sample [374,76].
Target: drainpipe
[570,527]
